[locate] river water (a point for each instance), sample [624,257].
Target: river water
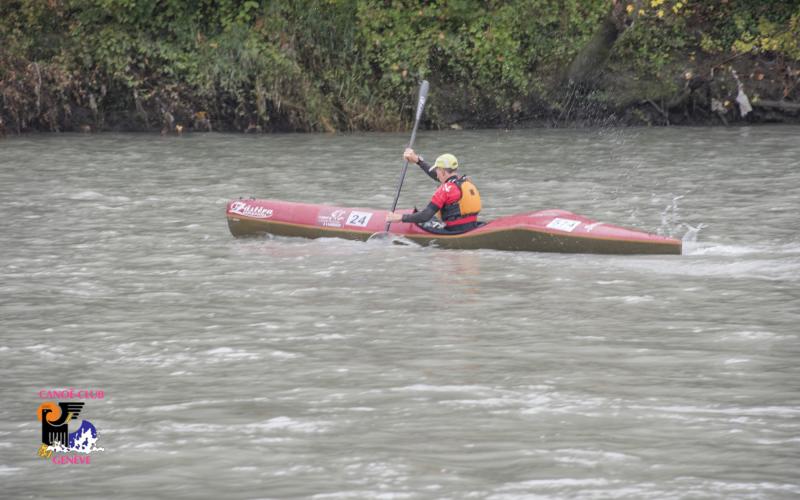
[289,368]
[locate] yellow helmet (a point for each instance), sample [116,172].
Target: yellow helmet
[446,161]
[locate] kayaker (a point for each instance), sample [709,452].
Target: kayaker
[456,200]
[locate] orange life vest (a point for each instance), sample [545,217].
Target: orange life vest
[469,204]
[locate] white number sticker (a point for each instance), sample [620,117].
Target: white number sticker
[567,225]
[360,219]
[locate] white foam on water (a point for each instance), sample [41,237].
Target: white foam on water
[299,469]
[375,469]
[480,403]
[283,354]
[495,399]
[363,494]
[772,442]
[703,266]
[318,337]
[758,335]
[631,299]
[245,468]
[732,250]
[266,325]
[37,347]
[731,488]
[736,361]
[87,196]
[692,248]
[445,388]
[282,423]
[146,445]
[555,483]
[94,196]
[230,354]
[592,457]
[291,425]
[586,462]
[6,470]
[788,248]
[773,411]
[270,440]
[179,406]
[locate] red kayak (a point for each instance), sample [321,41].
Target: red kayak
[542,231]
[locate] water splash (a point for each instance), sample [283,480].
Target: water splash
[670,218]
[691,232]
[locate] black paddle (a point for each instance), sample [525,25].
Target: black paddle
[423,94]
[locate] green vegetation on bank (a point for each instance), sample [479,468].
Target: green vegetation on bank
[354,64]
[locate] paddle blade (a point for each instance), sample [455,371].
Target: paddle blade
[376,237]
[389,239]
[423,94]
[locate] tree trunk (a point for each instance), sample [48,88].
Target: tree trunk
[590,61]
[786,106]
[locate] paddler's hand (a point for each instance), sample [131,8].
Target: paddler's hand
[410,155]
[393,217]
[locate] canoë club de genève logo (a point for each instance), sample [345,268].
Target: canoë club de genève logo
[59,444]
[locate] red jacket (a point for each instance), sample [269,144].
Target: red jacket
[447,194]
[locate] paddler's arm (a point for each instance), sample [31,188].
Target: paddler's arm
[423,216]
[413,157]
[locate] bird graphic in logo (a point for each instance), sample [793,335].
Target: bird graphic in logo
[55,420]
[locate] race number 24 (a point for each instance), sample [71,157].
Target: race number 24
[360,219]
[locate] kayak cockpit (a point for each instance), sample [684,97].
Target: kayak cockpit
[435,226]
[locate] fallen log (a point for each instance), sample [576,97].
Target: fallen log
[789,107]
